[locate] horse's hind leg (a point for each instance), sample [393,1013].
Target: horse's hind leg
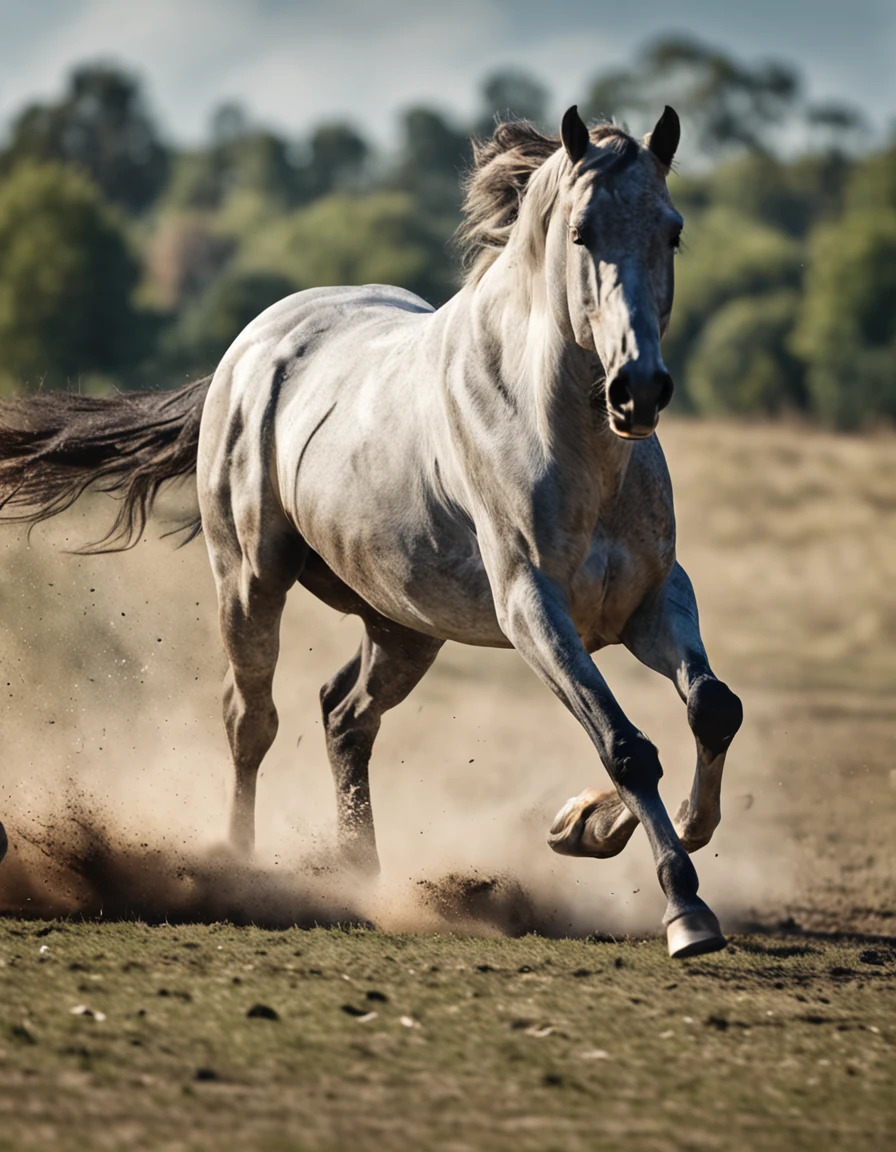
[389,664]
[666,637]
[251,596]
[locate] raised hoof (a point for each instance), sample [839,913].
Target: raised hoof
[4,842]
[594,824]
[694,934]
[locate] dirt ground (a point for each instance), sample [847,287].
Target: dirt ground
[115,786]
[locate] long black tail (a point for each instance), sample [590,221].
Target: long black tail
[55,445]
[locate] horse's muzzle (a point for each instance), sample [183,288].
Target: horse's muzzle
[635,402]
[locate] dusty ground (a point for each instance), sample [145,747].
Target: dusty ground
[115,787]
[125,1036]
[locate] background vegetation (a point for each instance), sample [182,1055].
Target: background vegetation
[127,261]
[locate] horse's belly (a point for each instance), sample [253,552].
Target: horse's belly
[433,582]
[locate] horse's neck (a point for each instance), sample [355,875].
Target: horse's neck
[550,377]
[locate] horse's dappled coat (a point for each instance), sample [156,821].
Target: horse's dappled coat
[485,472]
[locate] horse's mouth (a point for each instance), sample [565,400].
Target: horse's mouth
[626,431]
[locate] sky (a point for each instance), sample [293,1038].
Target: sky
[294,63]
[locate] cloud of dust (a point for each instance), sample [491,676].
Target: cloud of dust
[116,777]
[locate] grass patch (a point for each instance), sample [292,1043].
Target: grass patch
[215,1036]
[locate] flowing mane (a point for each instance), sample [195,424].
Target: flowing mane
[496,184]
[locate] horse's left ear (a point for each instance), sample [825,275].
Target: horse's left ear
[574,134]
[665,136]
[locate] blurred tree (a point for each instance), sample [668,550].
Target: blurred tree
[432,156]
[847,329]
[208,326]
[741,361]
[243,160]
[758,259]
[379,238]
[66,279]
[723,103]
[337,161]
[872,182]
[836,127]
[102,127]
[511,95]
[790,196]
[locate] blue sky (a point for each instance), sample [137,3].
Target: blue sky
[295,62]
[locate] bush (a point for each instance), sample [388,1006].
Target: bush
[847,329]
[741,362]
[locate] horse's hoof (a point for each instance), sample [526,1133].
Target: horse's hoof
[594,824]
[694,934]
[4,842]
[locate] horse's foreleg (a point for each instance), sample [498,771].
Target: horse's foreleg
[665,635]
[534,616]
[387,666]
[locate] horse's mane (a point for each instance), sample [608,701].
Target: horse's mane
[496,184]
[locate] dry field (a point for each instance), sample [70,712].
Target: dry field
[114,793]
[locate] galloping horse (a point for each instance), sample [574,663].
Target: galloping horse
[485,472]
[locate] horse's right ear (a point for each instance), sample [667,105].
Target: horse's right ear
[574,134]
[663,140]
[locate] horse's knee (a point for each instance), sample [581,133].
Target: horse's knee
[635,765]
[714,714]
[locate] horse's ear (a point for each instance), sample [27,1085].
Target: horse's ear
[574,134]
[665,136]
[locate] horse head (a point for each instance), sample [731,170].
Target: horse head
[610,246]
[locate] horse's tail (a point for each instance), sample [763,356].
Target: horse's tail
[55,445]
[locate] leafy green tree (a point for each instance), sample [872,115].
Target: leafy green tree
[726,256]
[378,238]
[67,277]
[790,196]
[847,330]
[208,326]
[741,361]
[101,126]
[254,161]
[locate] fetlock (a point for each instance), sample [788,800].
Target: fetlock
[715,714]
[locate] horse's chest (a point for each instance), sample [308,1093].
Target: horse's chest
[616,577]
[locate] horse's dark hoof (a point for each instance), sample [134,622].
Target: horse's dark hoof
[694,934]
[4,842]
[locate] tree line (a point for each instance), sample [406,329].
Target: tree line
[127,262]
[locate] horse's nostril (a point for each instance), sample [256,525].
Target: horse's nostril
[666,389]
[619,392]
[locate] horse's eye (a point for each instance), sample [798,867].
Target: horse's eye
[575,235]
[675,242]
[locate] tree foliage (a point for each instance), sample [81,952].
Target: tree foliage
[786,294]
[101,126]
[66,279]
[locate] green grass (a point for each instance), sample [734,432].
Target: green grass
[475,1043]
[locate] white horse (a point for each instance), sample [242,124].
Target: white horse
[485,472]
